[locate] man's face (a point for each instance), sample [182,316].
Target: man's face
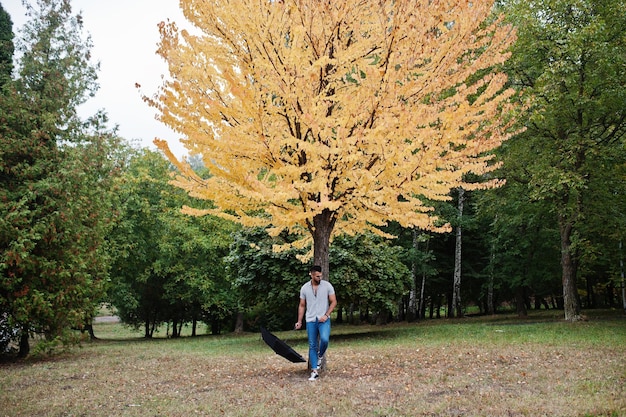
[316,276]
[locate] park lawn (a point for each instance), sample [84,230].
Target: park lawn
[481,366]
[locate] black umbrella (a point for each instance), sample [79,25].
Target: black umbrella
[281,348]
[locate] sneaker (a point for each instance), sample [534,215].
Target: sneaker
[321,363]
[314,376]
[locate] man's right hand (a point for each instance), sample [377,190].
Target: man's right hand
[298,325]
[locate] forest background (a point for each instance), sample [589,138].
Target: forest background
[89,219]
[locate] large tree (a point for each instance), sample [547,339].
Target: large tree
[570,60]
[54,171]
[319,117]
[138,291]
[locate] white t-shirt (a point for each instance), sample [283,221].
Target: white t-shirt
[316,304]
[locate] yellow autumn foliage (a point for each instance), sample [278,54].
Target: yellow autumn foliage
[342,114]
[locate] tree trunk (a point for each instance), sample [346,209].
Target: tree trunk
[491,308]
[24,343]
[621,267]
[413,302]
[239,323]
[592,299]
[339,318]
[422,301]
[456,290]
[175,333]
[89,329]
[403,309]
[571,303]
[153,328]
[321,230]
[216,327]
[520,302]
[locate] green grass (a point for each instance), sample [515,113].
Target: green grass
[480,366]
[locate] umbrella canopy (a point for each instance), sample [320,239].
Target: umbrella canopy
[280,347]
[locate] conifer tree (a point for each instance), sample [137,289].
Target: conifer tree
[6,46]
[54,173]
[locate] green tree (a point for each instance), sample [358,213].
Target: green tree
[55,66]
[266,282]
[168,266]
[192,251]
[521,241]
[6,46]
[137,292]
[569,60]
[369,277]
[54,172]
[602,229]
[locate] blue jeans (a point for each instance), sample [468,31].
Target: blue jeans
[316,329]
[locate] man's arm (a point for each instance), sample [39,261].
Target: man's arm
[301,309]
[333,303]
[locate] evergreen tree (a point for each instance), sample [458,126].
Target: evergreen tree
[54,174]
[6,46]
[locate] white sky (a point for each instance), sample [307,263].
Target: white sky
[125,37]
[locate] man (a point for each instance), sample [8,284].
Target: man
[317,298]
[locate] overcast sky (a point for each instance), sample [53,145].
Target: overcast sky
[125,37]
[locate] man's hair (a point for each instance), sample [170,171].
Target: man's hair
[316,268]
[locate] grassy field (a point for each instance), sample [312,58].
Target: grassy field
[487,366]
